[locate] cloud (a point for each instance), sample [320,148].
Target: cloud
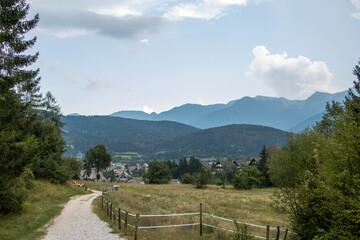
[70,33]
[293,78]
[205,9]
[72,23]
[117,11]
[144,40]
[356,4]
[93,83]
[200,101]
[148,110]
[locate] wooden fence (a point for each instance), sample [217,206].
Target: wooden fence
[119,217]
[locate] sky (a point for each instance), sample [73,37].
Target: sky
[100,57]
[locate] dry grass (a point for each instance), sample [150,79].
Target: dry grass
[246,206]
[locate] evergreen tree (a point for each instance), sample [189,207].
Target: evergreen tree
[263,167]
[194,165]
[17,82]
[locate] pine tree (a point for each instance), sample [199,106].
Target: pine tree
[263,168]
[17,85]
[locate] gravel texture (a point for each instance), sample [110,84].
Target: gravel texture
[77,221]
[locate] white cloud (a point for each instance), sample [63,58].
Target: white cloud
[356,4]
[204,9]
[144,40]
[200,101]
[147,109]
[117,11]
[227,2]
[191,10]
[293,78]
[71,33]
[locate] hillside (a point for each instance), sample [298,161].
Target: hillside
[229,141]
[118,134]
[288,115]
[134,139]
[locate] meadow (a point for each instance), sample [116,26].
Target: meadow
[251,206]
[44,202]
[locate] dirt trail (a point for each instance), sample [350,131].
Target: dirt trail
[77,221]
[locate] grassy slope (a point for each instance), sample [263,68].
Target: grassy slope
[44,202]
[250,206]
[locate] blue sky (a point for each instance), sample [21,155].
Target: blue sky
[99,57]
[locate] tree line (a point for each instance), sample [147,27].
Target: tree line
[31,143]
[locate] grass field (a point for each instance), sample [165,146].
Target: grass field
[43,203]
[252,206]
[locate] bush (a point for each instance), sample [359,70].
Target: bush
[247,178]
[203,178]
[158,173]
[12,194]
[187,179]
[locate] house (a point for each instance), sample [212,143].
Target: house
[254,162]
[237,164]
[207,165]
[92,175]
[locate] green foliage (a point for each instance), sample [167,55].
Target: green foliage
[158,173]
[17,144]
[241,232]
[165,140]
[318,173]
[247,178]
[264,168]
[98,158]
[74,165]
[203,178]
[187,179]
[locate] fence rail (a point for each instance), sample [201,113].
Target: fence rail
[115,214]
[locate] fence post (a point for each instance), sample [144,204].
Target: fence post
[107,208]
[114,218]
[110,210]
[278,233]
[267,232]
[119,219]
[102,201]
[125,227]
[201,219]
[136,226]
[286,232]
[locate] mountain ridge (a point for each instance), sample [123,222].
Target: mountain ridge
[281,113]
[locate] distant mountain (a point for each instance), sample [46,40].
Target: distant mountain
[150,140]
[73,115]
[289,115]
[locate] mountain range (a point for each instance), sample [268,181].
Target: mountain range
[281,113]
[164,140]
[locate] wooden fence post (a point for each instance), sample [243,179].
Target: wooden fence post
[102,201]
[114,218]
[107,208]
[286,232]
[119,219]
[267,232]
[110,210]
[278,233]
[136,226]
[125,227]
[201,219]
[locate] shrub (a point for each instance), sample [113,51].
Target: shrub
[203,178]
[247,178]
[187,179]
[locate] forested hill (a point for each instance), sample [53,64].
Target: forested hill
[166,140]
[119,134]
[228,141]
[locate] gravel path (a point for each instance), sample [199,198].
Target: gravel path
[77,221]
